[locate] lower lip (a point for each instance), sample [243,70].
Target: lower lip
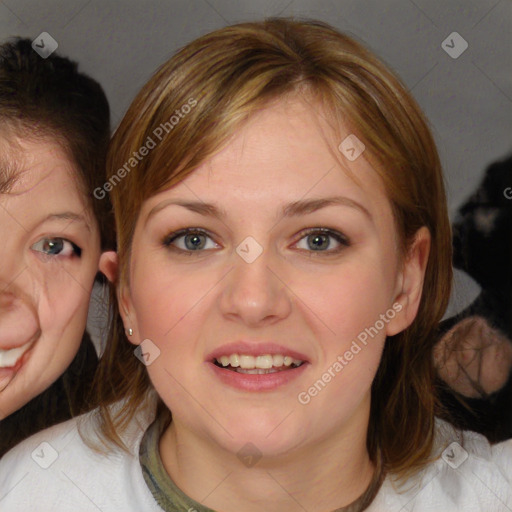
[265,382]
[8,373]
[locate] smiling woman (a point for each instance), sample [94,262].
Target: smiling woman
[53,137]
[298,209]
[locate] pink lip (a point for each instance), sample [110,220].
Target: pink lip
[12,371]
[248,382]
[254,349]
[265,382]
[19,344]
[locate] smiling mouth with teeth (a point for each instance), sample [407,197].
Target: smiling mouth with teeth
[9,358]
[258,365]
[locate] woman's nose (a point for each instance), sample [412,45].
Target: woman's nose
[18,317]
[253,290]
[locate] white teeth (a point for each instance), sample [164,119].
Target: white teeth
[247,362]
[264,362]
[256,371]
[10,357]
[278,360]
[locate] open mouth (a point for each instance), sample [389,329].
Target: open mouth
[11,360]
[257,365]
[10,357]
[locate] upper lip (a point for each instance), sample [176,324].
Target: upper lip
[255,349]
[20,344]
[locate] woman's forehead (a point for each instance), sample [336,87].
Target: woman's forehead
[287,144]
[268,170]
[40,173]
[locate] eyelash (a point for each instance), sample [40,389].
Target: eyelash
[77,251]
[339,237]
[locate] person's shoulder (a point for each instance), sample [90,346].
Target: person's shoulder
[466,473]
[65,467]
[32,467]
[455,447]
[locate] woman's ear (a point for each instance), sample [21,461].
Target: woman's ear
[109,265]
[410,282]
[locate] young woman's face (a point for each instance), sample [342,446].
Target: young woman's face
[49,258]
[287,260]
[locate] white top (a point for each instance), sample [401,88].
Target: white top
[55,471]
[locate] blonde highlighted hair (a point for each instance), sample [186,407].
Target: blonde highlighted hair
[231,73]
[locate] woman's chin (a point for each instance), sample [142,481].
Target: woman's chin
[255,443]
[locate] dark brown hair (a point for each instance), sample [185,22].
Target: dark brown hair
[49,99]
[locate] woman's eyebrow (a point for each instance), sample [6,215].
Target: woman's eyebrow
[200,207]
[296,208]
[73,217]
[305,206]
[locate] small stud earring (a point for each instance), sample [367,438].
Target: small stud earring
[130,331]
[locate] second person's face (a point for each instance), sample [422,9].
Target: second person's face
[49,258]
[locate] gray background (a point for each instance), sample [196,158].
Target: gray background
[468,100]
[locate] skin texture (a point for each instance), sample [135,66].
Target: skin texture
[44,289]
[315,303]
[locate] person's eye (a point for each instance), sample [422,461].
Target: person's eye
[320,240]
[57,247]
[189,240]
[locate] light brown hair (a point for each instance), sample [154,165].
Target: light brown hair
[233,72]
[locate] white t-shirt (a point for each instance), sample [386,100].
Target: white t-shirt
[54,471]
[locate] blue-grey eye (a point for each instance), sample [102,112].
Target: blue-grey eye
[57,247]
[321,240]
[318,242]
[189,240]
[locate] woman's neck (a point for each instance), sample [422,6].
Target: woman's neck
[318,477]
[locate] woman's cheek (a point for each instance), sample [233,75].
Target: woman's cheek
[63,303]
